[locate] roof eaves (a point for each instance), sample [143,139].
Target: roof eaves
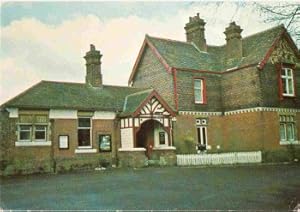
[158,55]
[21,94]
[263,62]
[134,69]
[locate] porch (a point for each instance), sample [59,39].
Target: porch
[146,132]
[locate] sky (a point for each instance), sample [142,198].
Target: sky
[47,40]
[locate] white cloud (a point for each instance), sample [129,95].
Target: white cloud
[32,50]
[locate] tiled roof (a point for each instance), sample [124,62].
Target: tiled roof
[133,101]
[185,55]
[62,95]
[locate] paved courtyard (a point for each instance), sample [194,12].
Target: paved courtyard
[242,187]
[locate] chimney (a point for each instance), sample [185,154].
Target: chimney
[195,32]
[234,47]
[93,67]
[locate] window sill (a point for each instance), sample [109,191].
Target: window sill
[138,149]
[84,147]
[85,150]
[288,142]
[33,143]
[165,148]
[288,96]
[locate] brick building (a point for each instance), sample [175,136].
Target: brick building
[242,96]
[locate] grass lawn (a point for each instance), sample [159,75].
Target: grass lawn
[234,187]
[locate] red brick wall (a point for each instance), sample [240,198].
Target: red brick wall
[151,73]
[64,127]
[250,131]
[69,127]
[185,90]
[241,89]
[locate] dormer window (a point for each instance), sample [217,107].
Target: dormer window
[287,82]
[199,91]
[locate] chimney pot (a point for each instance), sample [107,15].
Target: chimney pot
[234,47]
[195,32]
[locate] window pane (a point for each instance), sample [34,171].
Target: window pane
[289,72]
[84,122]
[83,137]
[105,143]
[40,135]
[25,128]
[162,139]
[197,83]
[198,95]
[290,86]
[25,135]
[39,128]
[284,89]
[204,135]
[282,132]
[290,132]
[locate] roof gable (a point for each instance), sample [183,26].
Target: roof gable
[146,102]
[147,43]
[283,50]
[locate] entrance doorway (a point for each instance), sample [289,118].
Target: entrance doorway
[150,134]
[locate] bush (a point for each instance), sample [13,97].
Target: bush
[289,154]
[188,146]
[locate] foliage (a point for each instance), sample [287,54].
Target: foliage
[283,13]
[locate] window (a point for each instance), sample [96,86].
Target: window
[162,139]
[199,91]
[25,133]
[287,82]
[201,124]
[105,143]
[32,128]
[84,131]
[287,128]
[40,132]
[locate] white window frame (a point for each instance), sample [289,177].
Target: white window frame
[199,90]
[284,122]
[19,133]
[35,130]
[286,78]
[85,128]
[201,139]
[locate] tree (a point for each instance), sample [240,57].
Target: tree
[283,13]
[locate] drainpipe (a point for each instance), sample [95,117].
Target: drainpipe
[52,159]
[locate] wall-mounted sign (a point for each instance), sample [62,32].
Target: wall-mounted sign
[63,142]
[105,143]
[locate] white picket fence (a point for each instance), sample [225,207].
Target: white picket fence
[216,159]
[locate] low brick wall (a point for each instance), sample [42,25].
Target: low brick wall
[26,166]
[132,159]
[165,157]
[83,162]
